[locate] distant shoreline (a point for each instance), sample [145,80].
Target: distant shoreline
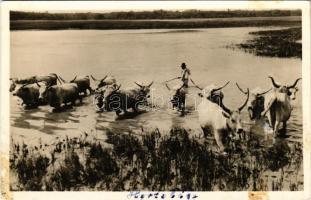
[155,23]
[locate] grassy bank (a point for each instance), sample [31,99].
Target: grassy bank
[153,24]
[156,14]
[275,43]
[153,161]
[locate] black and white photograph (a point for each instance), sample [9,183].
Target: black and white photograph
[160,98]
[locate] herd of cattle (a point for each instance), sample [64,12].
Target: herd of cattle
[214,116]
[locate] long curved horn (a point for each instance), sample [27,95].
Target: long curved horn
[167,86]
[38,84]
[240,88]
[227,110]
[73,79]
[273,82]
[62,79]
[103,78]
[94,79]
[244,104]
[214,90]
[264,92]
[138,84]
[294,83]
[118,87]
[150,84]
[53,74]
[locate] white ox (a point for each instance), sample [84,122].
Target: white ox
[219,121]
[278,103]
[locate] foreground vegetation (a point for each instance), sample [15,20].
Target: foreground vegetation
[156,14]
[275,43]
[151,161]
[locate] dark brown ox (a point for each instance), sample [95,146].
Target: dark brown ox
[255,104]
[121,100]
[50,79]
[57,95]
[30,94]
[278,103]
[178,99]
[82,82]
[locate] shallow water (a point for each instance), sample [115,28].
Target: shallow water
[141,55]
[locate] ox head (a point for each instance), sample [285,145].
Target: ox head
[20,90]
[234,121]
[43,86]
[104,81]
[144,90]
[289,90]
[255,104]
[214,93]
[12,84]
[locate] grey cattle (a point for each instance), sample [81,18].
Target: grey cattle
[278,104]
[121,100]
[83,83]
[57,95]
[30,94]
[50,79]
[218,121]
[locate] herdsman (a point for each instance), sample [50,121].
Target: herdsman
[185,73]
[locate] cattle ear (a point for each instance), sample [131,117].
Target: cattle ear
[226,115]
[200,94]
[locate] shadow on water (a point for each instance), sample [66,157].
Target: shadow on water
[21,117]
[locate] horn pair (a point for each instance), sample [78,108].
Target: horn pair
[241,107]
[246,92]
[94,79]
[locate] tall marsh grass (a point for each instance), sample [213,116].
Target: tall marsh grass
[156,161]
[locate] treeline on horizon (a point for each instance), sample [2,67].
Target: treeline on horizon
[156,14]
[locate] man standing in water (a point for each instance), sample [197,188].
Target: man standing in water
[185,73]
